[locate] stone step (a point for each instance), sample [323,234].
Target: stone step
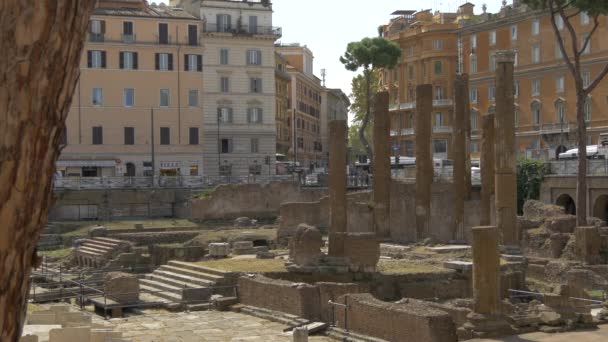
[275,316]
[161,285]
[92,250]
[108,240]
[181,278]
[166,295]
[100,244]
[349,336]
[191,273]
[199,268]
[179,283]
[89,253]
[95,249]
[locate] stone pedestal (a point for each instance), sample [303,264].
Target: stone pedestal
[300,334]
[505,159]
[337,184]
[487,169]
[382,165]
[219,250]
[424,159]
[459,158]
[307,243]
[121,287]
[587,244]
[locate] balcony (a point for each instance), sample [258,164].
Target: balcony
[393,107]
[245,30]
[559,127]
[442,129]
[128,38]
[407,131]
[394,132]
[442,102]
[96,37]
[408,105]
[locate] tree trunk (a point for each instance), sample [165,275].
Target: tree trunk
[41,43]
[365,121]
[581,188]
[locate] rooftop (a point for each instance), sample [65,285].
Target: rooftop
[134,8]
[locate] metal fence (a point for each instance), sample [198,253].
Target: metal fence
[595,167]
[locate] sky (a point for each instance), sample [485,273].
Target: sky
[327,26]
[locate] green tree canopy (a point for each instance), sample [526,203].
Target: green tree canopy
[370,53]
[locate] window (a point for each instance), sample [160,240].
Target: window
[560,111]
[584,18]
[223,23]
[535,27]
[163,33]
[224,115]
[254,115]
[97,30]
[165,136]
[193,62]
[224,56]
[164,98]
[438,119]
[164,61]
[473,41]
[516,88]
[586,75]
[97,97]
[224,84]
[492,62]
[411,72]
[440,146]
[97,135]
[473,95]
[253,24]
[536,87]
[516,115]
[193,35]
[513,32]
[410,50]
[438,67]
[193,136]
[535,113]
[491,93]
[492,38]
[559,21]
[256,85]
[96,59]
[473,63]
[438,93]
[193,97]
[587,109]
[536,53]
[128,97]
[474,147]
[127,32]
[129,135]
[437,44]
[226,146]
[254,57]
[587,48]
[515,58]
[559,84]
[474,116]
[255,145]
[558,51]
[128,60]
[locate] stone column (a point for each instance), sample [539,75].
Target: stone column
[487,169]
[467,149]
[424,159]
[459,157]
[486,271]
[382,165]
[505,159]
[337,186]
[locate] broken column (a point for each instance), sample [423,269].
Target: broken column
[467,148]
[459,155]
[337,186]
[487,169]
[505,159]
[587,244]
[424,159]
[382,165]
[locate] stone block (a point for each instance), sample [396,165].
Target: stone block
[362,251]
[463,266]
[551,318]
[101,335]
[98,231]
[81,334]
[122,287]
[360,218]
[265,255]
[29,338]
[219,250]
[242,244]
[307,243]
[537,210]
[43,318]
[300,334]
[73,319]
[244,222]
[587,244]
[224,303]
[561,224]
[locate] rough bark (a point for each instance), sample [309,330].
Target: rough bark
[41,43]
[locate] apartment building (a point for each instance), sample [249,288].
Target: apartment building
[335,106]
[305,105]
[429,56]
[239,86]
[545,94]
[283,114]
[138,105]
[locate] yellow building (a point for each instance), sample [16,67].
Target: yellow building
[140,84]
[283,114]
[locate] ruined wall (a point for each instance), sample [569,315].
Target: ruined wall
[156,238]
[253,200]
[408,321]
[447,284]
[161,255]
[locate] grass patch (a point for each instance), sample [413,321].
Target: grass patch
[227,234]
[246,265]
[57,253]
[130,224]
[406,267]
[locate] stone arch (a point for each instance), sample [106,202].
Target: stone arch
[566,202]
[600,208]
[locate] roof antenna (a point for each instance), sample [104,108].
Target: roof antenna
[323,74]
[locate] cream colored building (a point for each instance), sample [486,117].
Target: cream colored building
[239,86]
[141,82]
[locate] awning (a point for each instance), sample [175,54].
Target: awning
[86,163]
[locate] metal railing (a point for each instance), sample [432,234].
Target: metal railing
[558,127]
[244,29]
[442,129]
[443,102]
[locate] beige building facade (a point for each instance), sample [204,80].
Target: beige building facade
[141,82]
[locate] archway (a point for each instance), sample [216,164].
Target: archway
[130,170]
[567,203]
[560,149]
[600,208]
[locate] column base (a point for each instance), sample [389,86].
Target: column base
[485,326]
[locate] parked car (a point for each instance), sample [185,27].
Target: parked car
[592,152]
[312,179]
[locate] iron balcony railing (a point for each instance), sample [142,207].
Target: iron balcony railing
[443,102]
[244,29]
[558,127]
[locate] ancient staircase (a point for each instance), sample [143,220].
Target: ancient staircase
[180,284]
[96,252]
